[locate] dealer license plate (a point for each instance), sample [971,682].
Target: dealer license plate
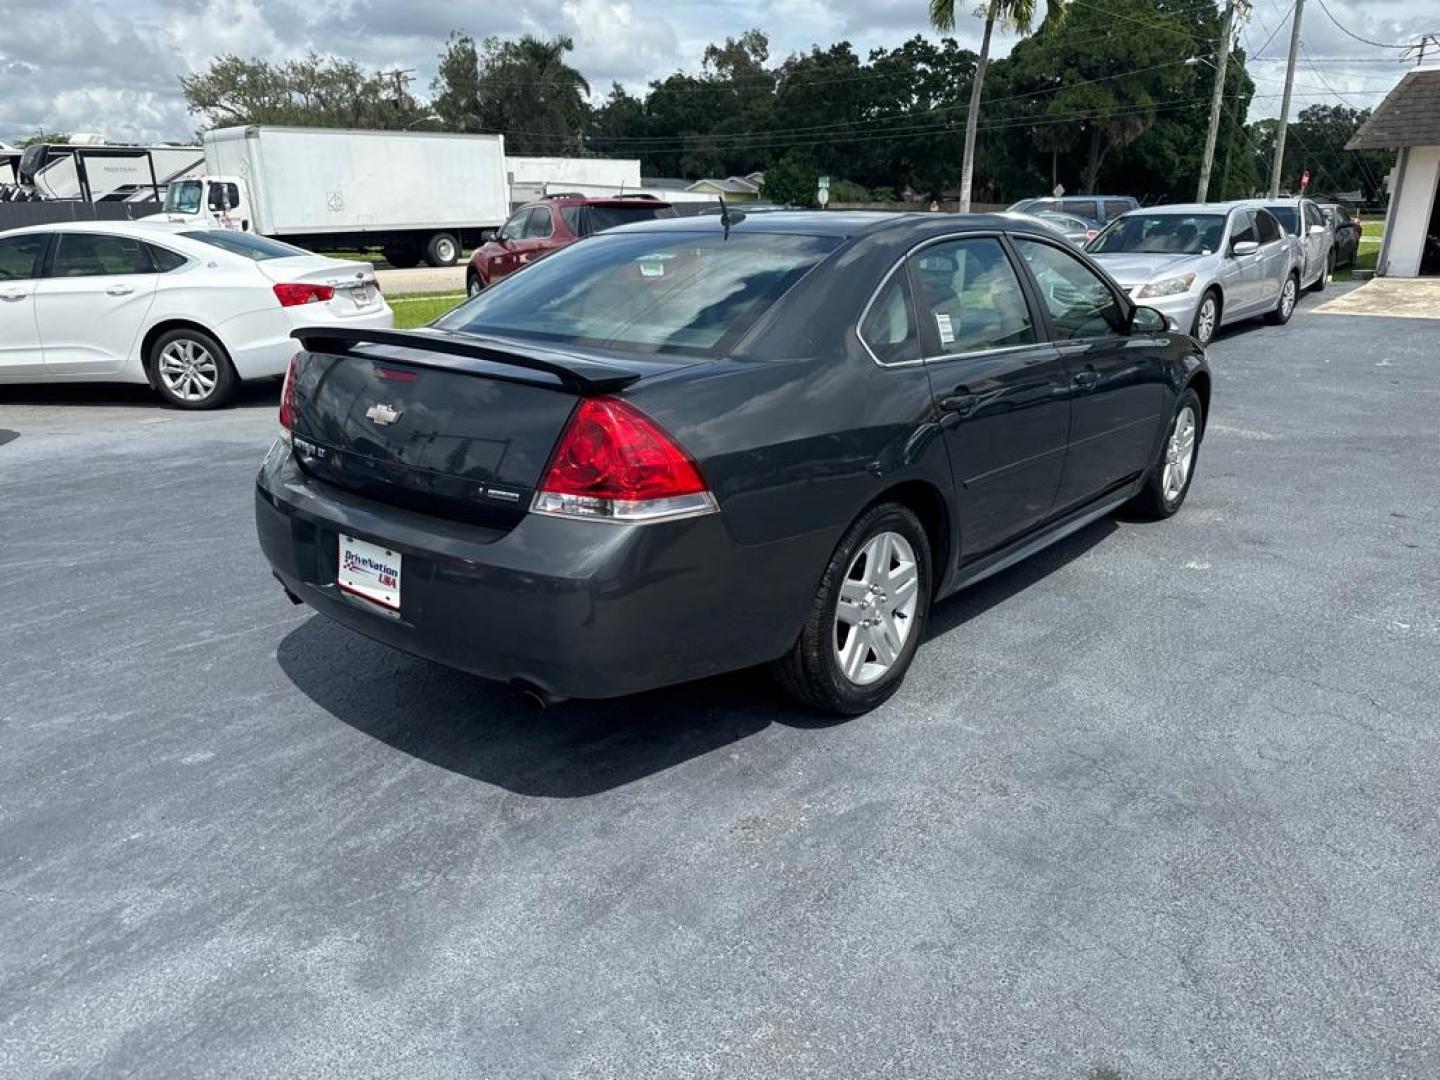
[361,295]
[370,571]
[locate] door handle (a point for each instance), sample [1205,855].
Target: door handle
[120,290]
[1087,379]
[960,402]
[11,297]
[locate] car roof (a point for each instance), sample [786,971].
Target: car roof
[597,200]
[918,225]
[114,228]
[1187,208]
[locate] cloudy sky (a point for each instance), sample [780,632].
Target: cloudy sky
[78,65]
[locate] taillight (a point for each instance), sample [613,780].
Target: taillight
[287,398]
[614,463]
[293,294]
[1090,234]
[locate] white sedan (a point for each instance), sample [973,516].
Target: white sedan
[190,311]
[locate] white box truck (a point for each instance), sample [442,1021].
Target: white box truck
[413,194]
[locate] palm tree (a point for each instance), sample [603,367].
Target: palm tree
[1019,14]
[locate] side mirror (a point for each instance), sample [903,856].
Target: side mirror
[1317,230]
[1146,320]
[1244,247]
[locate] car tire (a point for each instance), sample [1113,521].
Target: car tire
[402,257]
[191,370]
[1324,279]
[1285,306]
[1201,328]
[1164,490]
[473,285]
[442,250]
[813,670]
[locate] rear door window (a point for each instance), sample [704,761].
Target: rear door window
[1086,208]
[164,259]
[971,294]
[1081,305]
[99,255]
[889,329]
[1115,207]
[20,255]
[1267,228]
[573,216]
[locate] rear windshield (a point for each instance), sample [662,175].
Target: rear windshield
[1174,234]
[645,292]
[607,217]
[251,246]
[1289,217]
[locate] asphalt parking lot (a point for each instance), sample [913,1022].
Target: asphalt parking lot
[1160,803]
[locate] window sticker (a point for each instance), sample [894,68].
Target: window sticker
[947,332]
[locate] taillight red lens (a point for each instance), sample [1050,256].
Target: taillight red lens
[1090,234]
[612,450]
[614,462]
[287,397]
[293,294]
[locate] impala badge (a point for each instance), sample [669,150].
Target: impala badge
[381,413]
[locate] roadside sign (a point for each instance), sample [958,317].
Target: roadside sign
[1305,180]
[824,183]
[1058,190]
[823,195]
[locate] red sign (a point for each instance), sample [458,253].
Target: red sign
[1305,180]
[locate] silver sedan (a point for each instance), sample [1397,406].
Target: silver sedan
[1203,265]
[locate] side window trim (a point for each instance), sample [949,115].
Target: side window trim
[1052,336]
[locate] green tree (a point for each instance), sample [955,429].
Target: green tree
[530,94]
[455,90]
[1018,13]
[790,182]
[314,91]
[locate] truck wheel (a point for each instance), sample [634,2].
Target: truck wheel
[402,258]
[443,250]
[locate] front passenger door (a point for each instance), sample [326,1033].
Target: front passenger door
[1001,391]
[1117,378]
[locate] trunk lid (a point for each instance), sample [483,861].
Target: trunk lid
[356,290]
[447,424]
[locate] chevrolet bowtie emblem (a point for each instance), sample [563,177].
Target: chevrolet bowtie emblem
[381,413]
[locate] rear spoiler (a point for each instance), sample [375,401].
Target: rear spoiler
[577,373]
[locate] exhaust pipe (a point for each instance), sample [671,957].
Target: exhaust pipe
[541,699]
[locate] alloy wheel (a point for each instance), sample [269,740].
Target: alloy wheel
[1179,455]
[1205,321]
[188,370]
[1287,298]
[876,610]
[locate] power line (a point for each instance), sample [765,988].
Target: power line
[1357,37]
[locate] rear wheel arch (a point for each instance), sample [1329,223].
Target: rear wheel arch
[926,502]
[164,326]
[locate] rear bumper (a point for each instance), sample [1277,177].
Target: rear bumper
[574,608]
[260,344]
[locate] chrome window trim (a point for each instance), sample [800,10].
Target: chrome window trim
[979,234]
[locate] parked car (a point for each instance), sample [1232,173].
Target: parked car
[1078,231]
[1346,228]
[539,228]
[1205,265]
[1095,210]
[192,312]
[1303,219]
[687,447]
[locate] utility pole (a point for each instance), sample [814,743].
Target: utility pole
[1216,99]
[1279,162]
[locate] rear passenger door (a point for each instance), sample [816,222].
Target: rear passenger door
[1276,253]
[20,258]
[1001,391]
[93,301]
[1116,377]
